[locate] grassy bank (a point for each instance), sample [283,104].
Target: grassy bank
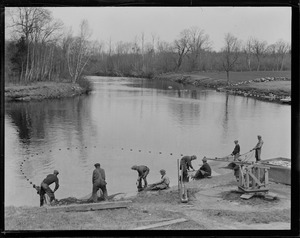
[45,90]
[213,204]
[264,85]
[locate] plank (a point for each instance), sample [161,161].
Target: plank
[166,223]
[255,179]
[89,206]
[245,190]
[247,196]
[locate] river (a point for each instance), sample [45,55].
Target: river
[126,122]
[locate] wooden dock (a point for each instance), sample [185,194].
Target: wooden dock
[89,206]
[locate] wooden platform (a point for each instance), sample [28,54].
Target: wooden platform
[89,206]
[166,223]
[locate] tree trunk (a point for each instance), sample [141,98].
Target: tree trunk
[227,74]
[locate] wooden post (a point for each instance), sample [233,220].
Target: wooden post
[247,179]
[266,177]
[254,172]
[241,178]
[178,173]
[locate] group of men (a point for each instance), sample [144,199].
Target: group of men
[236,154]
[99,180]
[143,171]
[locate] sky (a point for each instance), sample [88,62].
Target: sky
[126,23]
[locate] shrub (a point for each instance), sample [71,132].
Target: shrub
[85,84]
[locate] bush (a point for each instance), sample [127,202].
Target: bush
[85,84]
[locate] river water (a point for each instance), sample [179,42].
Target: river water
[127,122]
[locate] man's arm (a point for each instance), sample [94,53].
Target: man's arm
[189,163]
[94,176]
[259,144]
[103,174]
[56,185]
[160,182]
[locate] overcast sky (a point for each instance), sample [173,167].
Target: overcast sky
[124,23]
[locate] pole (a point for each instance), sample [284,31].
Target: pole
[178,172]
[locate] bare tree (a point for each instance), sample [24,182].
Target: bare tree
[247,49]
[198,42]
[182,47]
[40,32]
[79,52]
[282,49]
[259,49]
[230,53]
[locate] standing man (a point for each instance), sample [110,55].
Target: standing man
[185,165]
[204,170]
[257,148]
[99,182]
[45,189]
[236,151]
[162,184]
[143,171]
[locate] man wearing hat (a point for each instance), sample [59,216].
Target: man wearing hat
[99,182]
[45,189]
[236,151]
[185,165]
[162,184]
[257,148]
[143,171]
[204,170]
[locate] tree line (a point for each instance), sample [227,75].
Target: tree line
[41,49]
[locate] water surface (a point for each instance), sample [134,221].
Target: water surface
[126,122]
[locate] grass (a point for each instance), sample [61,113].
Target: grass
[275,87]
[242,76]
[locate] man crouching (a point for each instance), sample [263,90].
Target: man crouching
[45,189]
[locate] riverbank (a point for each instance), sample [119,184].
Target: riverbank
[263,85]
[42,90]
[213,204]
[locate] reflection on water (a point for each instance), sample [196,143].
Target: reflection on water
[126,122]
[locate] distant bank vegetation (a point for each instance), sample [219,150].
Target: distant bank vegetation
[41,49]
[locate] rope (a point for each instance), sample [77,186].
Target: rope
[246,156]
[34,186]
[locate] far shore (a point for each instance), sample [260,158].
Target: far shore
[272,86]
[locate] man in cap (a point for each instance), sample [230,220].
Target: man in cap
[45,189]
[204,170]
[257,148]
[143,171]
[98,180]
[185,165]
[162,184]
[236,151]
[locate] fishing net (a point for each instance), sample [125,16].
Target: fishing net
[246,157]
[73,200]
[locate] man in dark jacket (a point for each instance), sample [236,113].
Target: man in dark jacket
[45,189]
[99,182]
[204,170]
[185,165]
[236,151]
[143,171]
